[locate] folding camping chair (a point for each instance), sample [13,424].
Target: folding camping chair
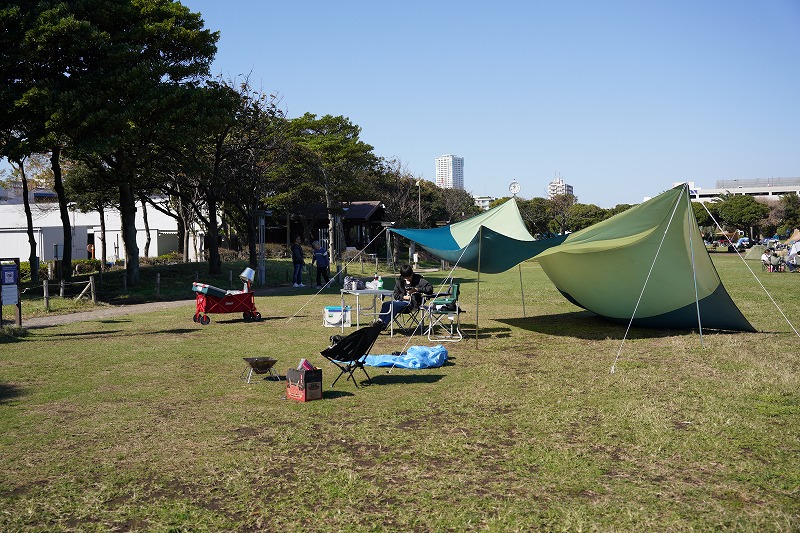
[408,319]
[444,317]
[350,352]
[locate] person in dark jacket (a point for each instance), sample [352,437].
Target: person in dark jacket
[408,291]
[297,261]
[320,257]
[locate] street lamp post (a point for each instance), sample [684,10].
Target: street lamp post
[419,200]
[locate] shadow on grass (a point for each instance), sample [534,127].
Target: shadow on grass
[9,392]
[334,394]
[404,379]
[239,319]
[121,333]
[586,325]
[486,333]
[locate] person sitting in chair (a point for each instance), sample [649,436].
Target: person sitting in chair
[408,291]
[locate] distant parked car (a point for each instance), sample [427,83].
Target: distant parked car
[743,243]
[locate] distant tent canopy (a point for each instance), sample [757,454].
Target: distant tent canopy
[604,268]
[491,242]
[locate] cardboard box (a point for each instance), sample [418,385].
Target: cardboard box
[304,385]
[332,316]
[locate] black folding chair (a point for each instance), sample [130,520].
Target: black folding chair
[408,319]
[350,352]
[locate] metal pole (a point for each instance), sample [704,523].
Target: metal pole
[522,291]
[478,286]
[419,202]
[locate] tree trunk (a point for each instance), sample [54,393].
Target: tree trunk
[181,228]
[127,214]
[33,260]
[104,257]
[146,229]
[252,237]
[214,261]
[66,257]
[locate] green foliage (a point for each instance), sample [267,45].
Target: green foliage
[741,211]
[12,332]
[581,216]
[790,216]
[700,213]
[536,214]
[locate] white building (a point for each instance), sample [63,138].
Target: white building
[450,172]
[557,186]
[483,201]
[767,189]
[85,227]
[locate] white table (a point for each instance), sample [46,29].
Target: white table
[374,310]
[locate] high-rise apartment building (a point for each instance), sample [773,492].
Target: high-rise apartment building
[557,186]
[450,172]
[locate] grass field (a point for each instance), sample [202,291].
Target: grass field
[143,423]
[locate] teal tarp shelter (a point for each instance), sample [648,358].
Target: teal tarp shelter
[499,231]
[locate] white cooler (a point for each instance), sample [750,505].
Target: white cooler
[333,317]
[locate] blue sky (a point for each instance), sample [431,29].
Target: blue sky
[619,98]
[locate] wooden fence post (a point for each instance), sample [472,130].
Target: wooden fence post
[94,294]
[158,283]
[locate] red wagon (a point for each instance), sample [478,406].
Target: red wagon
[211,299]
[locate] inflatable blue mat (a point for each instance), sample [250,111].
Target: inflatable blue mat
[416,357]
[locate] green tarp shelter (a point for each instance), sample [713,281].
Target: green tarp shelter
[648,264]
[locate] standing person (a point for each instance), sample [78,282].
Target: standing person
[408,291]
[297,261]
[320,257]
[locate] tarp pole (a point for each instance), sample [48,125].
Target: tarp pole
[522,291]
[478,289]
[690,217]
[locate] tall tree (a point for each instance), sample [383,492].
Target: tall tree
[740,211]
[581,216]
[341,158]
[104,80]
[257,147]
[559,212]
[790,213]
[455,204]
[536,214]
[86,191]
